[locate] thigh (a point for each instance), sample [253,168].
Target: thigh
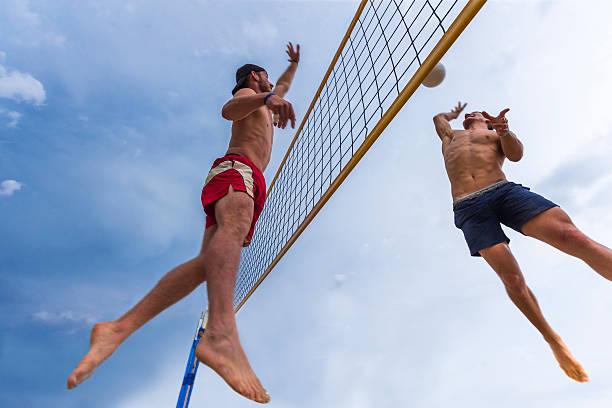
[549,226]
[518,205]
[500,258]
[234,211]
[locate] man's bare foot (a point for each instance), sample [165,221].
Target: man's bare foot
[568,363]
[105,338]
[224,354]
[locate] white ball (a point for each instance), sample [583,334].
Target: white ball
[436,76]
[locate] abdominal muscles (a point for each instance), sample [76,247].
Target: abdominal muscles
[252,137]
[471,166]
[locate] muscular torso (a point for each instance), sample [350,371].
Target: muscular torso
[252,137]
[473,160]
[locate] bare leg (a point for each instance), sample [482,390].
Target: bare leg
[556,228]
[107,336]
[220,347]
[504,264]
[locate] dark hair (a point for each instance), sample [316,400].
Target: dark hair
[243,74]
[490,126]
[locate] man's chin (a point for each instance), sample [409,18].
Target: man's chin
[468,122]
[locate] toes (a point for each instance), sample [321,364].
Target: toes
[262,398]
[74,379]
[257,392]
[262,395]
[246,390]
[577,374]
[265,398]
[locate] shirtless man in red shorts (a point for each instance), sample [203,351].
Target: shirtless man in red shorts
[483,198]
[233,197]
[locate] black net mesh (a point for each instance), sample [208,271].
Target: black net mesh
[385,48]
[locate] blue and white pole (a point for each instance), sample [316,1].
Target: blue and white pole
[192,365]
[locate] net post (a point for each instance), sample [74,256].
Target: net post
[192,365]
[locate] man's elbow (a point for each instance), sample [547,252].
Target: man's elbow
[515,156]
[439,118]
[226,112]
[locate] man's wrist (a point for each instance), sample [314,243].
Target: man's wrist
[294,60]
[504,134]
[267,96]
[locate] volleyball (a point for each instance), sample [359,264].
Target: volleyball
[436,76]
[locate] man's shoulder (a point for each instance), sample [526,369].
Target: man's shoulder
[459,132]
[244,92]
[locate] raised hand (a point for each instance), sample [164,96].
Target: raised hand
[499,123]
[283,109]
[294,55]
[457,110]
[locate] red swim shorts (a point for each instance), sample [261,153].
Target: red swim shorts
[240,173]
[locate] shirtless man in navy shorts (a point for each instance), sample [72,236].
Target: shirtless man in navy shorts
[233,197]
[483,198]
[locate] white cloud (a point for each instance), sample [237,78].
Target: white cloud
[161,208]
[63,317]
[264,32]
[26,26]
[8,187]
[19,10]
[253,35]
[21,86]
[13,117]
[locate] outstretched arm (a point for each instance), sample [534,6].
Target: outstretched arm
[511,145]
[285,80]
[442,122]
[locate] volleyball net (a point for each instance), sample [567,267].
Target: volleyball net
[389,48]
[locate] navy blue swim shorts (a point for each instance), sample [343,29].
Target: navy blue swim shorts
[479,214]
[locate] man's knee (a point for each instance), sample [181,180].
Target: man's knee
[513,281]
[570,236]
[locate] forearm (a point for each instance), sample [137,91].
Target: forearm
[511,146]
[448,116]
[242,106]
[284,81]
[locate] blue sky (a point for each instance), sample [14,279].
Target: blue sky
[110,118]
